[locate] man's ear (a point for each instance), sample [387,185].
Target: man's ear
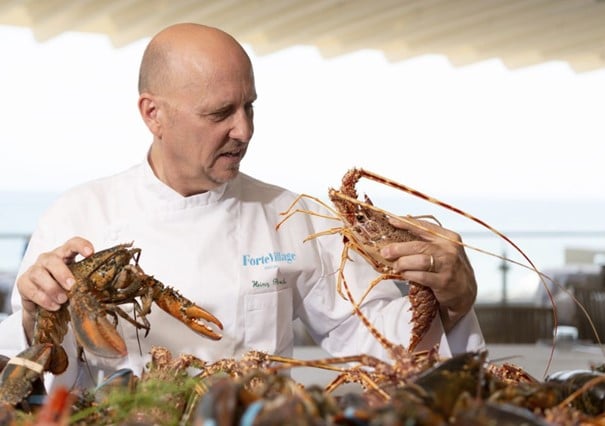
[148,108]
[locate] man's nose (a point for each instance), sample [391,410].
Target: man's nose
[243,127]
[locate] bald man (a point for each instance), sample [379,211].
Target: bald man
[208,229]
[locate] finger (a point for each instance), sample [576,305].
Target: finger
[394,251]
[73,247]
[52,270]
[56,261]
[419,262]
[37,286]
[46,281]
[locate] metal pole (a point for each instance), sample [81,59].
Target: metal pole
[504,267]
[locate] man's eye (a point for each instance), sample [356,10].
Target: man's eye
[250,110]
[220,115]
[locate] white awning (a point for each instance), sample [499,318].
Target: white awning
[518,32]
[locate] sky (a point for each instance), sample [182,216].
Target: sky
[69,114]
[481,132]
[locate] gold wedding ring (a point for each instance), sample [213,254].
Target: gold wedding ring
[431,263]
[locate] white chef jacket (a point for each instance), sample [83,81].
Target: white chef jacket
[221,250]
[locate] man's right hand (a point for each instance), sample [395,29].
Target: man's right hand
[46,282]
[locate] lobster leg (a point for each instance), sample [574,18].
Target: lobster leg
[143,325]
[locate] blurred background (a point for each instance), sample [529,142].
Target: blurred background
[494,107]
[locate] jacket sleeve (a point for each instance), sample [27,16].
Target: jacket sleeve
[12,336]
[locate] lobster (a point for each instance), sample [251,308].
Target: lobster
[366,230]
[103,282]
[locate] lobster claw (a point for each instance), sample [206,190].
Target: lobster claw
[20,373]
[93,331]
[187,312]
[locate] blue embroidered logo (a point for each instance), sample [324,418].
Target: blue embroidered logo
[270,260]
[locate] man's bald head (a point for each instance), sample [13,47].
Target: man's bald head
[179,45]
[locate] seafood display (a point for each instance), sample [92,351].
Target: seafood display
[463,390]
[103,282]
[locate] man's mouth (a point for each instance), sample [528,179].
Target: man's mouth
[233,153]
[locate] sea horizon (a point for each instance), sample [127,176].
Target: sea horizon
[542,228]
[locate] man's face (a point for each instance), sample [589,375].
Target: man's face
[206,127]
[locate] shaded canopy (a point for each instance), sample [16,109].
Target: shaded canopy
[518,32]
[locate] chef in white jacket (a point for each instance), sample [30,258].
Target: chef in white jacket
[210,231]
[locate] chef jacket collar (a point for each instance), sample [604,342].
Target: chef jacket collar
[167,194]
